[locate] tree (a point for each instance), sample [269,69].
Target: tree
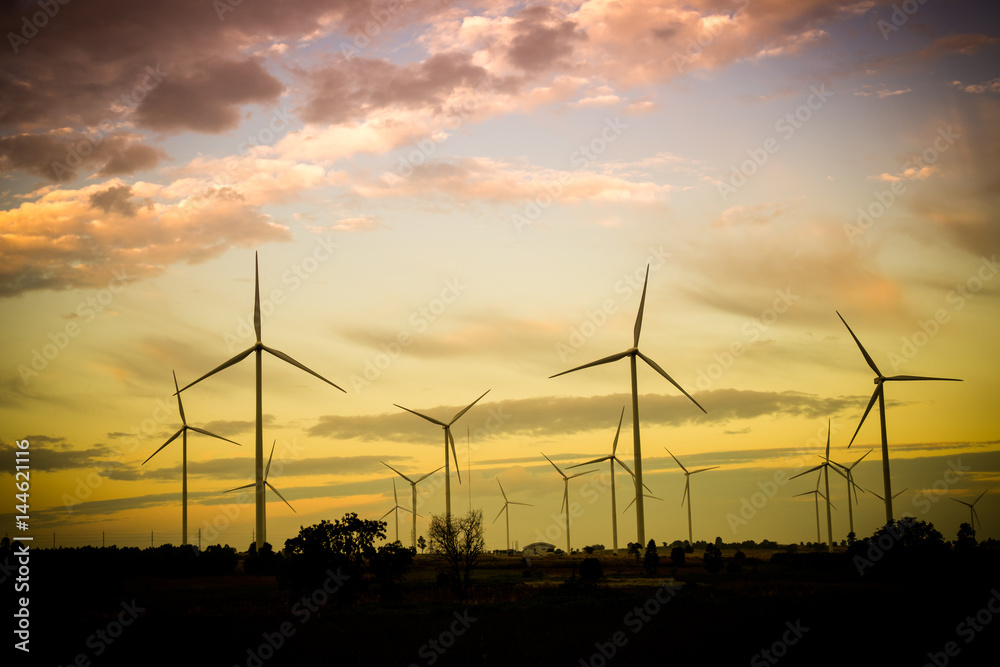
[422,543]
[635,549]
[712,559]
[966,538]
[677,556]
[460,540]
[651,560]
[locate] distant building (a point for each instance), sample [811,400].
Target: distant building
[538,549]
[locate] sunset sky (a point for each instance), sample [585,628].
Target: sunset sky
[449,198]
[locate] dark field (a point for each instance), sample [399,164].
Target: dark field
[808,609]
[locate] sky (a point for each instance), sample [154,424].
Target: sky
[449,198]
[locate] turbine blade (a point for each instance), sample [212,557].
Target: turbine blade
[911,378]
[675,459]
[642,303]
[600,460]
[256,297]
[239,488]
[214,435]
[980,496]
[861,459]
[462,412]
[512,502]
[501,490]
[401,474]
[268,468]
[703,470]
[554,466]
[687,489]
[395,498]
[180,406]
[172,438]
[451,439]
[840,472]
[828,422]
[807,471]
[864,416]
[662,372]
[235,360]
[430,419]
[605,360]
[285,357]
[271,486]
[961,501]
[861,347]
[627,469]
[565,502]
[500,512]
[426,476]
[585,472]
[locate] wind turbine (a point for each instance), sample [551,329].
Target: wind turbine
[396,509]
[256,349]
[973,515]
[611,459]
[413,489]
[847,472]
[817,494]
[184,459]
[632,502]
[880,380]
[687,490]
[825,466]
[565,502]
[506,508]
[448,439]
[632,353]
[269,485]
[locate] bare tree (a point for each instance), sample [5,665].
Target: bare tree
[460,541]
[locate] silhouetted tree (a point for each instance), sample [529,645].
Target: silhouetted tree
[677,556]
[422,543]
[460,540]
[966,538]
[651,560]
[712,559]
[635,549]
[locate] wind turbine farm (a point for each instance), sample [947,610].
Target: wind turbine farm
[761,200]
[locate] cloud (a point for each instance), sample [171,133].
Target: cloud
[59,155]
[57,242]
[209,98]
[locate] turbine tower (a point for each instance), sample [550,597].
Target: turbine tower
[413,501]
[612,458]
[506,508]
[973,515]
[396,507]
[825,468]
[687,490]
[448,440]
[184,460]
[565,502]
[267,483]
[632,353]
[847,472]
[256,349]
[879,394]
